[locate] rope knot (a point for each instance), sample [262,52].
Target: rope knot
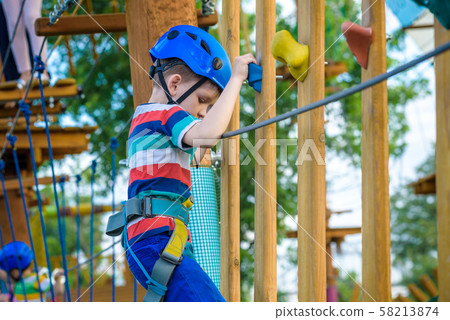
[78,178]
[114,144]
[25,109]
[62,180]
[40,66]
[12,139]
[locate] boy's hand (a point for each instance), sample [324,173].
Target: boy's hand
[240,67]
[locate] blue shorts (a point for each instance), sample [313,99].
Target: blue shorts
[188,282]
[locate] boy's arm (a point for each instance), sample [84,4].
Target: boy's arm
[208,132]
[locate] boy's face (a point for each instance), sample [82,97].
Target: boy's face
[200,101]
[15,274]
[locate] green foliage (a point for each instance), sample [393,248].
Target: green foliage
[346,284]
[414,229]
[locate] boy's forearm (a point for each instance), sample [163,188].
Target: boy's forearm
[216,121]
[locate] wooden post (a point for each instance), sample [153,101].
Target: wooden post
[230,170]
[442,70]
[147,20]
[376,266]
[265,173]
[311,174]
[18,218]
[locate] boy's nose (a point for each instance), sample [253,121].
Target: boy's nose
[202,114]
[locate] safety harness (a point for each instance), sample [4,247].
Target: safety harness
[177,246]
[160,68]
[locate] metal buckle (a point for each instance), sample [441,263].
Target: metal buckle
[177,263]
[146,207]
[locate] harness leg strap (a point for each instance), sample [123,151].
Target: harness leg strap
[170,257]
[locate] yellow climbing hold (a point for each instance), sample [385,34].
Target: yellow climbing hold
[288,51]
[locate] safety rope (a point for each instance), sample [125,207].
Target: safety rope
[40,67]
[77,181]
[91,246]
[25,109]
[12,141]
[95,256]
[134,289]
[8,50]
[114,146]
[62,182]
[11,227]
[344,93]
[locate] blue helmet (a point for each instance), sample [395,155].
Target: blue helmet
[15,255]
[203,54]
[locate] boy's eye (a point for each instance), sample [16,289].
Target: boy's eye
[201,100]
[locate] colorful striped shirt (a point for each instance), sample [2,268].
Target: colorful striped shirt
[159,161]
[32,288]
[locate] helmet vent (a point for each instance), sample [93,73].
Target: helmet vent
[172,34]
[193,36]
[217,63]
[205,46]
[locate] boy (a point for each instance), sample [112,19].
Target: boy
[194,93]
[15,259]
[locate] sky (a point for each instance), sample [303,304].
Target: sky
[346,194]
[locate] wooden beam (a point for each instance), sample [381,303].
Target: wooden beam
[230,260]
[442,70]
[61,138]
[35,109]
[311,173]
[265,173]
[429,285]
[147,20]
[330,232]
[426,185]
[417,293]
[101,23]
[34,93]
[376,267]
[27,182]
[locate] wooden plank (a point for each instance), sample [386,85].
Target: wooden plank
[311,174]
[376,276]
[147,20]
[265,173]
[101,23]
[426,185]
[442,70]
[34,93]
[429,285]
[230,260]
[356,292]
[417,293]
[330,232]
[37,109]
[27,182]
[61,138]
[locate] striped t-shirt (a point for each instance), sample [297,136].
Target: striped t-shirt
[159,161]
[32,288]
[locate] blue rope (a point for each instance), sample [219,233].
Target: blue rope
[40,67]
[91,249]
[62,182]
[2,244]
[25,109]
[12,141]
[11,227]
[135,290]
[114,146]
[78,179]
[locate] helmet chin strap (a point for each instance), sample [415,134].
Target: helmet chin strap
[160,69]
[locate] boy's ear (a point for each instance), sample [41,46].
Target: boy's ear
[173,83]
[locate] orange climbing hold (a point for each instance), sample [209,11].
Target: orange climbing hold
[359,40]
[288,51]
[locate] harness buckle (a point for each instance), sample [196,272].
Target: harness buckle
[146,207]
[169,258]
